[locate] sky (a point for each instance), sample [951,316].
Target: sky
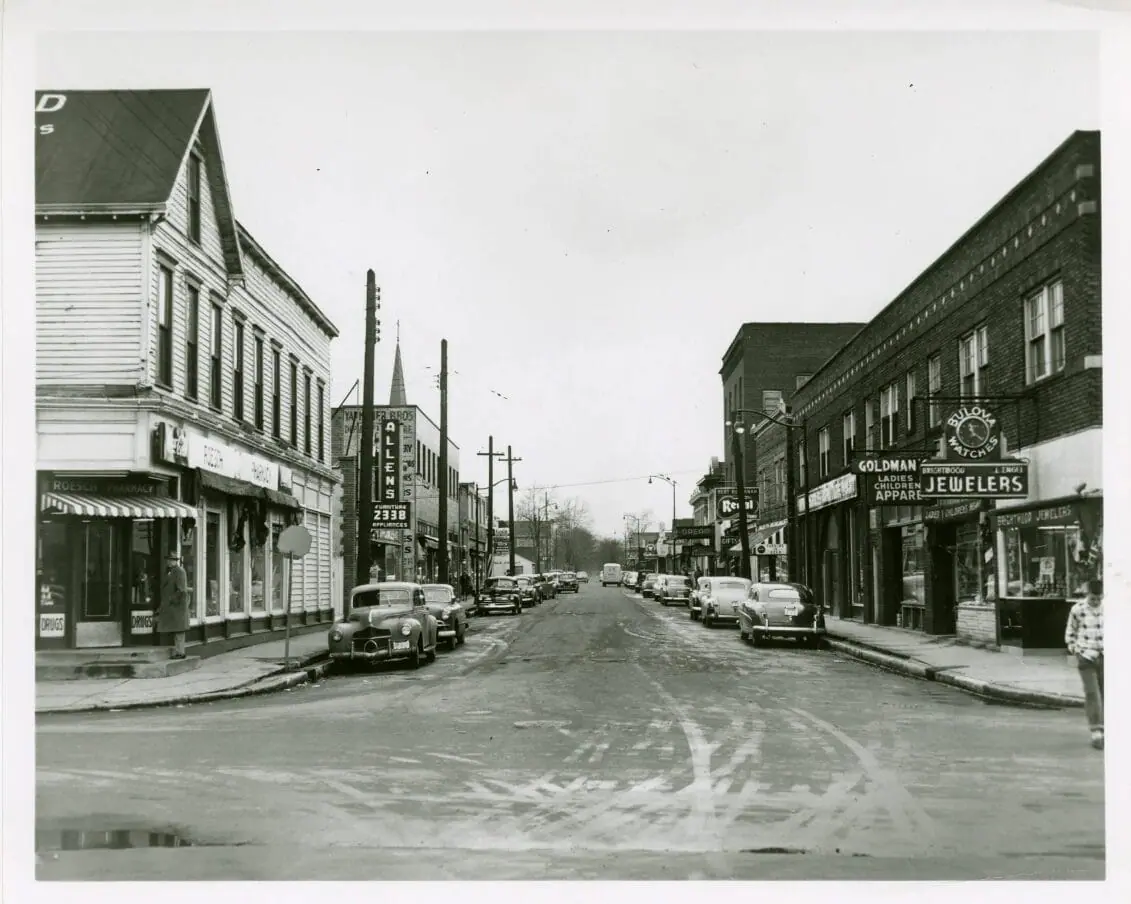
[588,217]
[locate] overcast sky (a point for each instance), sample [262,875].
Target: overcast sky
[589,217]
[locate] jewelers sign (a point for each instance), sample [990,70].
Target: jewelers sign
[974,480]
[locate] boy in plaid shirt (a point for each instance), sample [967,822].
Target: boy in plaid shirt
[1084,637]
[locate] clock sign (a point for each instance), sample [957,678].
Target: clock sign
[972,433]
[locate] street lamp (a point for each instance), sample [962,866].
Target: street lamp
[738,430]
[671,539]
[790,423]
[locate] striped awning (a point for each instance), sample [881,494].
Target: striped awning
[90,505]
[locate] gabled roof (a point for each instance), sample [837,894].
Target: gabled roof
[109,152]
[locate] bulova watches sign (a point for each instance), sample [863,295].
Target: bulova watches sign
[972,433]
[972,466]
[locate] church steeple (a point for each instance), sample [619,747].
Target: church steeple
[397,391]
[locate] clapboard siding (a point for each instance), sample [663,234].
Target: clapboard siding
[88,303]
[274,310]
[204,265]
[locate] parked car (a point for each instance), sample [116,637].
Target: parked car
[387,621]
[546,588]
[722,600]
[673,589]
[567,580]
[499,594]
[451,618]
[629,579]
[528,590]
[583,577]
[781,609]
[648,587]
[698,593]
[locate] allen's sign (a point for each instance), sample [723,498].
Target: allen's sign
[389,467]
[974,480]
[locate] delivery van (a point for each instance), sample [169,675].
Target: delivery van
[610,574]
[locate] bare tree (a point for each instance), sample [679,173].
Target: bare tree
[537,508]
[573,541]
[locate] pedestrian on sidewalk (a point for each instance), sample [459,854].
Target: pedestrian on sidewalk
[172,609]
[1084,637]
[465,585]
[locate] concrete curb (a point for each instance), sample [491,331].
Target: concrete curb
[945,675]
[311,669]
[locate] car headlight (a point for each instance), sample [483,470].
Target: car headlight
[406,629]
[335,635]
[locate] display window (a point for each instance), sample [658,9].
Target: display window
[914,589]
[277,564]
[258,560]
[212,564]
[1045,561]
[967,563]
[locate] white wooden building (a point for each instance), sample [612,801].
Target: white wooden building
[182,384]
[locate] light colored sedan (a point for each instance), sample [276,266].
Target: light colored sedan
[781,609]
[722,600]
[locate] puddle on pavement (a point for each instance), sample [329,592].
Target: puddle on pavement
[51,840]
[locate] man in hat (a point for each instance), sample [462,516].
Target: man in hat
[1084,637]
[172,610]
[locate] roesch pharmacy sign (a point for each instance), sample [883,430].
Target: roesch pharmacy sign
[972,466]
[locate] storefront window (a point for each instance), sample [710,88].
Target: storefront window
[1045,561]
[966,559]
[278,563]
[188,560]
[54,565]
[258,572]
[212,564]
[236,593]
[913,580]
[144,564]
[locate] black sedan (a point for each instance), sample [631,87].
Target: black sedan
[451,617]
[567,581]
[781,610]
[499,594]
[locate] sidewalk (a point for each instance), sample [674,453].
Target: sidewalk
[251,670]
[1036,679]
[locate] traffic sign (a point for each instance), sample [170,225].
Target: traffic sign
[769,549]
[294,541]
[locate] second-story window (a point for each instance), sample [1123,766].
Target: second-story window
[192,342]
[911,395]
[824,444]
[889,414]
[973,356]
[306,413]
[294,403]
[869,426]
[237,371]
[934,387]
[215,365]
[802,476]
[258,364]
[164,326]
[276,394]
[771,400]
[194,198]
[1044,332]
[322,422]
[849,426]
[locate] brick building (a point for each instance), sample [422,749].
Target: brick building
[1009,319]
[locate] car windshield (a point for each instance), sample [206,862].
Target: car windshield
[525,582]
[677,582]
[502,584]
[437,595]
[380,596]
[568,574]
[731,585]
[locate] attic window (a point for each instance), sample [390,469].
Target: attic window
[194,198]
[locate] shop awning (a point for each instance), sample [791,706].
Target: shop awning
[230,486]
[429,542]
[283,500]
[90,505]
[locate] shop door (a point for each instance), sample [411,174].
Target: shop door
[834,598]
[943,590]
[99,622]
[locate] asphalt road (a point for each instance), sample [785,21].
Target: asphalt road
[599,736]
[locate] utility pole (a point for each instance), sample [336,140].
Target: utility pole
[510,500]
[491,456]
[740,480]
[478,556]
[443,558]
[365,490]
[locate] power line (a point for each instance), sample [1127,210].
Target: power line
[593,483]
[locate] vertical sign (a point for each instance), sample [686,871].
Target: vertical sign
[389,469]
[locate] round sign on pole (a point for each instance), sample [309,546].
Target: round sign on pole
[294,541]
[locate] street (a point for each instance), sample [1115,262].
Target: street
[597,736]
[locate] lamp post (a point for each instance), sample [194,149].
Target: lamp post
[790,423]
[671,539]
[738,430]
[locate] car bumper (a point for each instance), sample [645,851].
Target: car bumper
[788,630]
[493,606]
[674,599]
[445,633]
[379,655]
[725,617]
